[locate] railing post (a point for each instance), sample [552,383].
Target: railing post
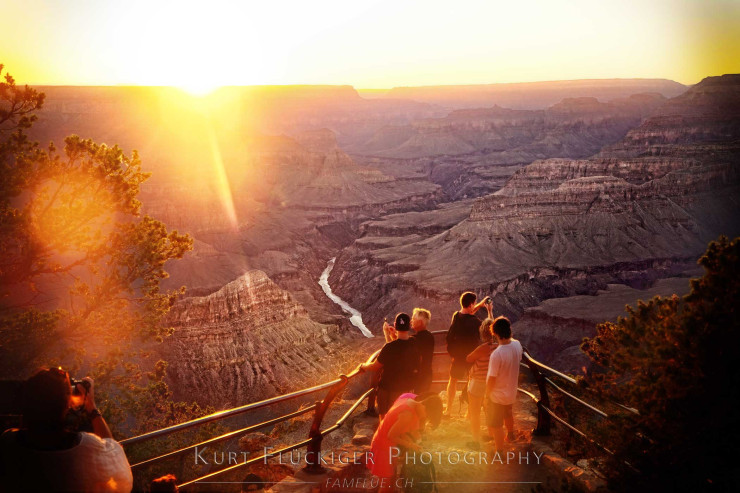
[313,449]
[543,417]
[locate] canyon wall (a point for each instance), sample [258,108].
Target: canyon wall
[644,208]
[472,152]
[247,341]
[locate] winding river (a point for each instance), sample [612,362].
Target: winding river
[355,317]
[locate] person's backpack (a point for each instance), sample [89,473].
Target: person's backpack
[419,477]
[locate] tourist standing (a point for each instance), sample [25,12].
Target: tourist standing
[462,339]
[424,341]
[399,362]
[479,358]
[502,379]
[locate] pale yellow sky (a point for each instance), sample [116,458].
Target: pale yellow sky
[367,44]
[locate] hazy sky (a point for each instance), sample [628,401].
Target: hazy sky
[368,44]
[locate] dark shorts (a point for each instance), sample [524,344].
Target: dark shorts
[459,369]
[386,398]
[497,413]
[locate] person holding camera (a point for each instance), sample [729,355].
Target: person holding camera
[462,338]
[48,453]
[398,363]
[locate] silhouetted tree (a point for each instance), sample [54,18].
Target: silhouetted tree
[676,361]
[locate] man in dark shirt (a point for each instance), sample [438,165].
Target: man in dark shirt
[462,339]
[399,362]
[424,341]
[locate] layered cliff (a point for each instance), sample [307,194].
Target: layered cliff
[470,151]
[561,227]
[247,341]
[574,125]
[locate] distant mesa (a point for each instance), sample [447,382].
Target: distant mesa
[533,95]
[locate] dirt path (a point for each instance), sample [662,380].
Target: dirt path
[461,469]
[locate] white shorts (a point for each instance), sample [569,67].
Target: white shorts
[477,388]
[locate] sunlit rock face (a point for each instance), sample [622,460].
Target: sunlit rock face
[246,341]
[647,205]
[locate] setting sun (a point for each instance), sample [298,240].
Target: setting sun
[185,45]
[404,212]
[199,88]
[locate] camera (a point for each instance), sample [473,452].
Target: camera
[75,383]
[487,300]
[76,418]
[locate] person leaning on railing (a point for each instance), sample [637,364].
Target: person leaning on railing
[398,361]
[47,454]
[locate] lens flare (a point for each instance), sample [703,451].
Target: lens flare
[222,179]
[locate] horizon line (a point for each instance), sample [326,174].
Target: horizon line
[360,88]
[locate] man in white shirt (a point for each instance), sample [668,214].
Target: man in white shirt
[502,379]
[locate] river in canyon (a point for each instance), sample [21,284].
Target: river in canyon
[355,317]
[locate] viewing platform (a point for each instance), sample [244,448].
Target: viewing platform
[332,458]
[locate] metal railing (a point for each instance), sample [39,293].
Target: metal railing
[545,414]
[312,443]
[540,372]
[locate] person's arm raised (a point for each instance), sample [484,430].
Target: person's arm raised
[100,427]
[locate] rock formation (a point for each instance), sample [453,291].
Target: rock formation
[286,207]
[472,152]
[645,206]
[533,95]
[553,330]
[247,341]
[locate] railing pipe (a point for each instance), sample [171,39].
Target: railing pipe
[289,448]
[548,369]
[224,437]
[581,402]
[242,409]
[227,413]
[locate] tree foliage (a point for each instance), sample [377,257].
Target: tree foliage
[676,361]
[80,266]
